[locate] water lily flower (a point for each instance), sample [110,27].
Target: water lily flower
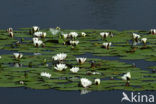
[44,34]
[74,69]
[83,34]
[35,28]
[65,36]
[97,81]
[126,76]
[96,73]
[73,34]
[74,43]
[144,40]
[40,34]
[21,82]
[11,34]
[54,31]
[104,34]
[60,67]
[85,82]
[136,37]
[60,57]
[81,60]
[35,39]
[45,74]
[37,43]
[0,57]
[18,55]
[153,31]
[10,30]
[107,45]
[111,34]
[58,28]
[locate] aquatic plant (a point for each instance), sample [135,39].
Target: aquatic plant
[153,31]
[59,57]
[18,55]
[60,67]
[97,81]
[85,82]
[83,34]
[74,69]
[45,74]
[104,35]
[107,45]
[81,60]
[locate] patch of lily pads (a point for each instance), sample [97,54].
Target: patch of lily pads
[26,71]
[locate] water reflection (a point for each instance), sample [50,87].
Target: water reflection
[85,91]
[17,65]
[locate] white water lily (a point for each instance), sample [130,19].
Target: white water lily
[73,34]
[83,34]
[74,69]
[58,28]
[21,82]
[60,67]
[37,43]
[38,34]
[35,39]
[97,81]
[81,60]
[44,34]
[65,36]
[85,82]
[136,36]
[45,74]
[74,43]
[96,73]
[0,57]
[10,30]
[144,40]
[126,76]
[18,55]
[11,34]
[153,31]
[35,28]
[60,57]
[54,31]
[107,45]
[104,34]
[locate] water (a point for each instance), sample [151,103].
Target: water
[79,14]
[29,96]
[142,64]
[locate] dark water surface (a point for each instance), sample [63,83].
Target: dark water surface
[28,96]
[79,14]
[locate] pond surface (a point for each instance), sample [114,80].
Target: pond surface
[79,14]
[28,96]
